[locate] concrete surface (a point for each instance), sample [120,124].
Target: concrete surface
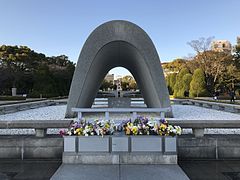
[113,44]
[15,106]
[28,170]
[45,169]
[31,147]
[119,158]
[119,172]
[120,102]
[211,170]
[188,146]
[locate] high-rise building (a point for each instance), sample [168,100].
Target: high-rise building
[221,46]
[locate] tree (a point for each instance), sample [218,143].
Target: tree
[179,85]
[187,78]
[33,73]
[175,66]
[171,80]
[198,84]
[106,84]
[214,64]
[128,83]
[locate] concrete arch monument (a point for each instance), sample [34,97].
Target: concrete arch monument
[113,44]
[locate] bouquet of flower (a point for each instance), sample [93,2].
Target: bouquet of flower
[84,128]
[144,126]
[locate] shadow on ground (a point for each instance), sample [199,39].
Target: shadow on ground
[44,169]
[28,169]
[211,170]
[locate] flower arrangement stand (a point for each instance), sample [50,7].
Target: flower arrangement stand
[146,144]
[120,144]
[93,144]
[170,145]
[69,143]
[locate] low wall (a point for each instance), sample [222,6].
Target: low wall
[209,147]
[31,147]
[11,108]
[233,108]
[189,147]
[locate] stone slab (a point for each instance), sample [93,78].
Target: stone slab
[93,144]
[121,102]
[119,172]
[118,158]
[170,145]
[69,144]
[120,144]
[143,144]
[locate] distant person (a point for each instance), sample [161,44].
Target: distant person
[216,95]
[186,94]
[232,96]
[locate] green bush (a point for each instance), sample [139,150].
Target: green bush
[12,98]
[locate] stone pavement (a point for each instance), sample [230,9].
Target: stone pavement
[195,169]
[211,169]
[119,172]
[28,169]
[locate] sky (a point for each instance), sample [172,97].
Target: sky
[56,27]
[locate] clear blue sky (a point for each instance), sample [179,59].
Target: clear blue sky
[56,27]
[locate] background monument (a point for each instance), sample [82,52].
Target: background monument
[118,44]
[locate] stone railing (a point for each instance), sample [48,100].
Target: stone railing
[40,126]
[209,104]
[198,126]
[134,111]
[11,108]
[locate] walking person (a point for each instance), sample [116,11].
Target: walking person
[232,96]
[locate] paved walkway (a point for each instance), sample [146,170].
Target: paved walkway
[195,170]
[211,170]
[119,172]
[28,169]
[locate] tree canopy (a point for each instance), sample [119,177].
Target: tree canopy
[34,73]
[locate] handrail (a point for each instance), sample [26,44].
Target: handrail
[40,126]
[134,111]
[198,126]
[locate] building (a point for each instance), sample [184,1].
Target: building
[109,78]
[221,46]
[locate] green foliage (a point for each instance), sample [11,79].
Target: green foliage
[187,78]
[12,98]
[106,84]
[180,85]
[171,80]
[128,83]
[198,83]
[33,73]
[175,66]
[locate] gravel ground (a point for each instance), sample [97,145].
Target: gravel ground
[185,112]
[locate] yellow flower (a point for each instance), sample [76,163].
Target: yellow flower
[135,130]
[163,127]
[128,131]
[107,126]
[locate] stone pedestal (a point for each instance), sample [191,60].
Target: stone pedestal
[120,102]
[120,150]
[14,91]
